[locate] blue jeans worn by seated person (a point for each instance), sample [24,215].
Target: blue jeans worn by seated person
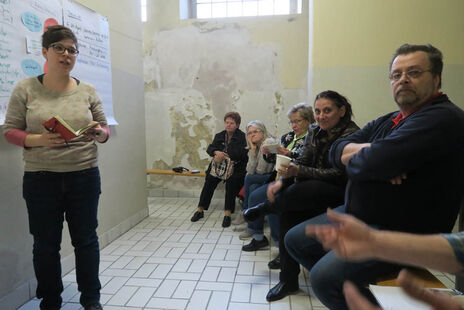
[252,182]
[327,271]
[255,228]
[50,198]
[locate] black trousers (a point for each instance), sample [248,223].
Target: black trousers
[233,185]
[295,204]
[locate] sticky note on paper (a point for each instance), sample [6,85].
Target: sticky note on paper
[31,67]
[33,46]
[31,21]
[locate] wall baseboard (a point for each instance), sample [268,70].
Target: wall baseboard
[26,291]
[160,192]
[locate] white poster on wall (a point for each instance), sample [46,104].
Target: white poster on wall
[93,64]
[21,27]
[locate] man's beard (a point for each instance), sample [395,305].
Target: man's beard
[408,100]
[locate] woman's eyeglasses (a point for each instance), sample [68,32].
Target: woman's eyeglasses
[253,132]
[296,121]
[411,74]
[59,49]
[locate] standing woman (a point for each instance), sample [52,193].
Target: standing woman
[61,181]
[231,143]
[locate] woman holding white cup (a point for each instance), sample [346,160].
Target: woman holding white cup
[309,185]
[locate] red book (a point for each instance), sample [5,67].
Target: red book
[58,125]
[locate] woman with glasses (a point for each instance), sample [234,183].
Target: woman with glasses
[291,144]
[231,143]
[259,170]
[309,185]
[61,181]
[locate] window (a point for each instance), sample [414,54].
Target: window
[234,8]
[143,7]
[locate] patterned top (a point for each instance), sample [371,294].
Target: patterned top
[294,144]
[31,104]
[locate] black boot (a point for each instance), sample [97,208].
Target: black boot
[275,263]
[281,290]
[197,215]
[256,245]
[226,221]
[259,211]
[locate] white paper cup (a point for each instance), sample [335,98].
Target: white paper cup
[281,159]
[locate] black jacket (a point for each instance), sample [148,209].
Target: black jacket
[314,160]
[428,146]
[236,149]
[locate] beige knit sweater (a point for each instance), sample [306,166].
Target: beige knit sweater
[31,104]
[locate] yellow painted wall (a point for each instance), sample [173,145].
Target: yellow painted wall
[354,40]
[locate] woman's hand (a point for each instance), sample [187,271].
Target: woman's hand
[252,145]
[219,156]
[283,151]
[47,139]
[272,189]
[97,133]
[289,170]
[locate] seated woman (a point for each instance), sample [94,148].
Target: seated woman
[259,169]
[300,117]
[230,143]
[309,186]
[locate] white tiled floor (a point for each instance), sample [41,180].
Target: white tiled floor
[168,262]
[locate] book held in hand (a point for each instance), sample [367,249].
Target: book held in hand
[59,125]
[272,146]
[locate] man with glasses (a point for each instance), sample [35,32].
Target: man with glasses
[405,172]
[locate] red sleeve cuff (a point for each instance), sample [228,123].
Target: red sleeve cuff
[108,132]
[16,136]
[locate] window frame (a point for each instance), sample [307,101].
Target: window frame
[192,5]
[143,11]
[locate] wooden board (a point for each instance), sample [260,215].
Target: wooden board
[426,278]
[170,172]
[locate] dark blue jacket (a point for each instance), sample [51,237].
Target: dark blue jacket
[429,147]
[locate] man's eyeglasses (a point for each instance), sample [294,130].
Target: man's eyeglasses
[253,132]
[410,74]
[296,121]
[59,49]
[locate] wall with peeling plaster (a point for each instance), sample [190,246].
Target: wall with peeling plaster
[196,71]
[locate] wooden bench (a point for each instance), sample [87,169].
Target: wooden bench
[425,277]
[170,172]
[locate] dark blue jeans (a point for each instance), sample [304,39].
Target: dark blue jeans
[255,228]
[327,271]
[252,182]
[52,197]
